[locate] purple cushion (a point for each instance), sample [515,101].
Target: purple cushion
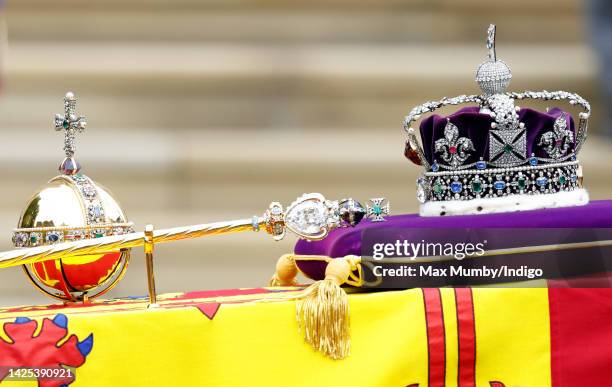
[347,241]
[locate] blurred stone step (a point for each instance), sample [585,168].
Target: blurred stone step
[550,6]
[383,25]
[202,85]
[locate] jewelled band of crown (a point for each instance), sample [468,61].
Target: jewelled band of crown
[508,157]
[470,184]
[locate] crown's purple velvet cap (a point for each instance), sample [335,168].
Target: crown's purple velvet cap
[347,241]
[476,126]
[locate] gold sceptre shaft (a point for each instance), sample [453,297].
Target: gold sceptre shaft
[311,217]
[116,242]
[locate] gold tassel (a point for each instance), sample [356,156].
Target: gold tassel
[286,271]
[323,309]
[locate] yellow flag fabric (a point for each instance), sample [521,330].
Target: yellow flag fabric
[248,337]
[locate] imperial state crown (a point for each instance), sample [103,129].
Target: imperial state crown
[72,207]
[497,156]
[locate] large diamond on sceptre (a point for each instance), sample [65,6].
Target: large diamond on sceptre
[312,217]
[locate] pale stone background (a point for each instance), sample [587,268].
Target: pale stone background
[206,110]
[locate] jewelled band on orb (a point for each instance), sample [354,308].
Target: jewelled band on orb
[37,236]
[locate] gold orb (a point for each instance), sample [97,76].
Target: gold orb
[69,208]
[72,207]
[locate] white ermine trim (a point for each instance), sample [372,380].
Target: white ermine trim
[510,203]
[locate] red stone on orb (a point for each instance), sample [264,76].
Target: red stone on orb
[452,150]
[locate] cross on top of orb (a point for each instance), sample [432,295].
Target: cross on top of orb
[70,123]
